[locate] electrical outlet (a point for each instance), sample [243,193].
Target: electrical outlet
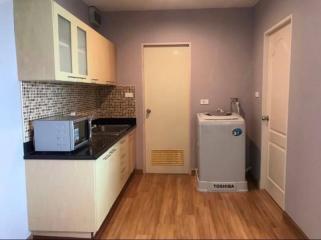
[129,95]
[204,101]
[257,94]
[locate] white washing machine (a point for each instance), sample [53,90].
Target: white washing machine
[221,153]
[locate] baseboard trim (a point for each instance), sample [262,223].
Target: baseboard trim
[286,215]
[61,235]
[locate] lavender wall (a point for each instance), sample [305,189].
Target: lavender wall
[221,54]
[303,173]
[76,7]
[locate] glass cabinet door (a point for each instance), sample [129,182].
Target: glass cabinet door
[82,51]
[65,48]
[71,43]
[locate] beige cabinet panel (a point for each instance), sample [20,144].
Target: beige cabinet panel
[102,60]
[123,147]
[103,63]
[111,63]
[97,59]
[115,176]
[105,195]
[132,151]
[34,40]
[60,195]
[93,56]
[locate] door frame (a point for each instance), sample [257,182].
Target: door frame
[264,125]
[165,44]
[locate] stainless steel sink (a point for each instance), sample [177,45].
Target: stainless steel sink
[112,129]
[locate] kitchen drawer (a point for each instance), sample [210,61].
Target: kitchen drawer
[123,144]
[123,157]
[123,175]
[112,151]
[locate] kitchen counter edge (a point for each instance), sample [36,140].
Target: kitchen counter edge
[32,155]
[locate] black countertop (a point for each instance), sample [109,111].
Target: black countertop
[98,145]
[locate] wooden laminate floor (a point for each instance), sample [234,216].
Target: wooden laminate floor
[158,206]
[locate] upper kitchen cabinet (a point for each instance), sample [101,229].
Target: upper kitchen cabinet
[111,62]
[102,59]
[70,46]
[54,45]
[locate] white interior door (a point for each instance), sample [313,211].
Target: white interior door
[275,110]
[167,103]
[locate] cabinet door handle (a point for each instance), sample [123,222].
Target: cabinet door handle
[110,154]
[107,156]
[95,79]
[74,77]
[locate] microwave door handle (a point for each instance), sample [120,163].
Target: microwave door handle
[90,128]
[72,136]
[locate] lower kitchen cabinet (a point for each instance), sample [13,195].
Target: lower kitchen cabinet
[132,151]
[106,184]
[71,198]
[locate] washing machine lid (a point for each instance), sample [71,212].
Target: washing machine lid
[219,116]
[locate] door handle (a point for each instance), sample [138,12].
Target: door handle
[265,118]
[148,111]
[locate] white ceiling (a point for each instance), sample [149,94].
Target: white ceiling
[136,5]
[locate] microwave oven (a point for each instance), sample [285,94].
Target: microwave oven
[61,133]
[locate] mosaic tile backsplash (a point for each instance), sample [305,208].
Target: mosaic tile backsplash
[49,99]
[113,103]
